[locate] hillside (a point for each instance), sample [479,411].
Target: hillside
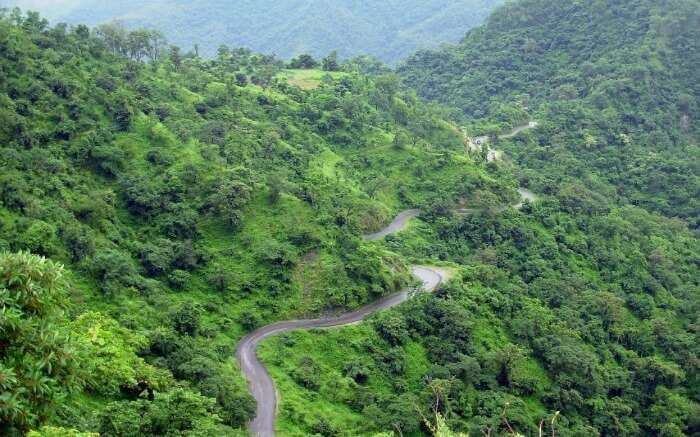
[193,201]
[190,201]
[614,84]
[388,30]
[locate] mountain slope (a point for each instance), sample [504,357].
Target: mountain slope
[194,200]
[189,206]
[615,85]
[389,30]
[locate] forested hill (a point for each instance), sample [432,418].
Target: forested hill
[389,30]
[615,84]
[190,201]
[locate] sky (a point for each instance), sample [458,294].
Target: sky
[49,8]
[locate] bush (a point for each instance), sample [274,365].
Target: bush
[157,257]
[37,365]
[112,362]
[178,412]
[78,242]
[186,320]
[392,328]
[307,374]
[219,279]
[113,270]
[276,254]
[178,279]
[358,370]
[109,159]
[39,238]
[237,405]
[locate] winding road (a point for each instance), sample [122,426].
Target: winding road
[476,143]
[259,381]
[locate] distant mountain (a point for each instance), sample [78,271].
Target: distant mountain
[389,30]
[615,83]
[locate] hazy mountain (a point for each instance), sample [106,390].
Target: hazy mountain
[616,84]
[388,30]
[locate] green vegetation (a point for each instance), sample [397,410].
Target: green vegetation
[309,79]
[38,369]
[192,201]
[614,84]
[585,303]
[389,30]
[589,312]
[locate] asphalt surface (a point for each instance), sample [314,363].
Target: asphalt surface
[515,131]
[399,223]
[259,381]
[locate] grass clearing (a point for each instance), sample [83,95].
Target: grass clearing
[309,79]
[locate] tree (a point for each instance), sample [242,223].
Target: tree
[155,45]
[37,361]
[187,319]
[39,238]
[506,360]
[303,61]
[115,37]
[177,412]
[241,79]
[175,56]
[330,62]
[277,183]
[237,405]
[229,198]
[111,362]
[138,44]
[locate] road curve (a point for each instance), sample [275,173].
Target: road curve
[516,130]
[259,381]
[399,224]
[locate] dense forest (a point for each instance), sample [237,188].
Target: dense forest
[190,201]
[156,206]
[286,28]
[614,84]
[577,314]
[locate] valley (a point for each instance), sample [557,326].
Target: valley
[497,236]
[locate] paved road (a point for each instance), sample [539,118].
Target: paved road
[476,143]
[399,223]
[515,131]
[259,381]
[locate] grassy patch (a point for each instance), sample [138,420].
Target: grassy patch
[308,79]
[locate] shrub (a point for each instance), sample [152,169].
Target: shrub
[307,374]
[78,242]
[37,362]
[178,279]
[178,412]
[237,405]
[186,320]
[39,238]
[157,257]
[113,270]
